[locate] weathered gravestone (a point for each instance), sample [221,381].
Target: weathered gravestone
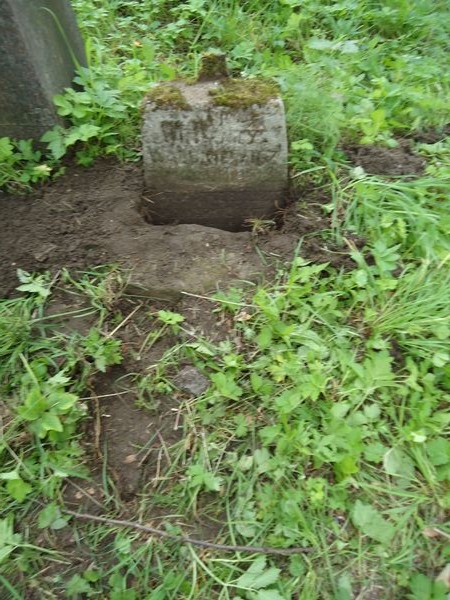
[39,47]
[215,152]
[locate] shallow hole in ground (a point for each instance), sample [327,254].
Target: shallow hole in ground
[230,211]
[88,217]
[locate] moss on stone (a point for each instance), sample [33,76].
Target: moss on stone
[167,96]
[243,93]
[213,67]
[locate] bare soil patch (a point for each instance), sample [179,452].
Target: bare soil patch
[58,225]
[89,217]
[132,439]
[391,162]
[431,136]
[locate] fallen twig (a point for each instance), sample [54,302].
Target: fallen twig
[187,540]
[122,323]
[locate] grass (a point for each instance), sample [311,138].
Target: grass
[325,423]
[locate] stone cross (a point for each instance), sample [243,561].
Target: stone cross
[215,152]
[40,46]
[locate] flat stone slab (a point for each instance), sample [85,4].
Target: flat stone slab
[39,44]
[212,164]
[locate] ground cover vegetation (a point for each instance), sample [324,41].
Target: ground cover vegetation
[325,423]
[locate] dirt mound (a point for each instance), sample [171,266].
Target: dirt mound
[391,162]
[431,136]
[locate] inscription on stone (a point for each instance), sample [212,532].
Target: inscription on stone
[214,165]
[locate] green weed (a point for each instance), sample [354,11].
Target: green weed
[21,165]
[42,374]
[412,214]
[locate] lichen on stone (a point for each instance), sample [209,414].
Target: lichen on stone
[166,95]
[213,67]
[243,93]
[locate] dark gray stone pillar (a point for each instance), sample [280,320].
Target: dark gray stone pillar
[39,47]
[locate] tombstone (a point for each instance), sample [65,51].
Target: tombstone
[40,46]
[215,152]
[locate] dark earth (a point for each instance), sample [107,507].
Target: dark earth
[88,217]
[393,162]
[85,217]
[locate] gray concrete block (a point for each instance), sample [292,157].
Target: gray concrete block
[39,45]
[212,164]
